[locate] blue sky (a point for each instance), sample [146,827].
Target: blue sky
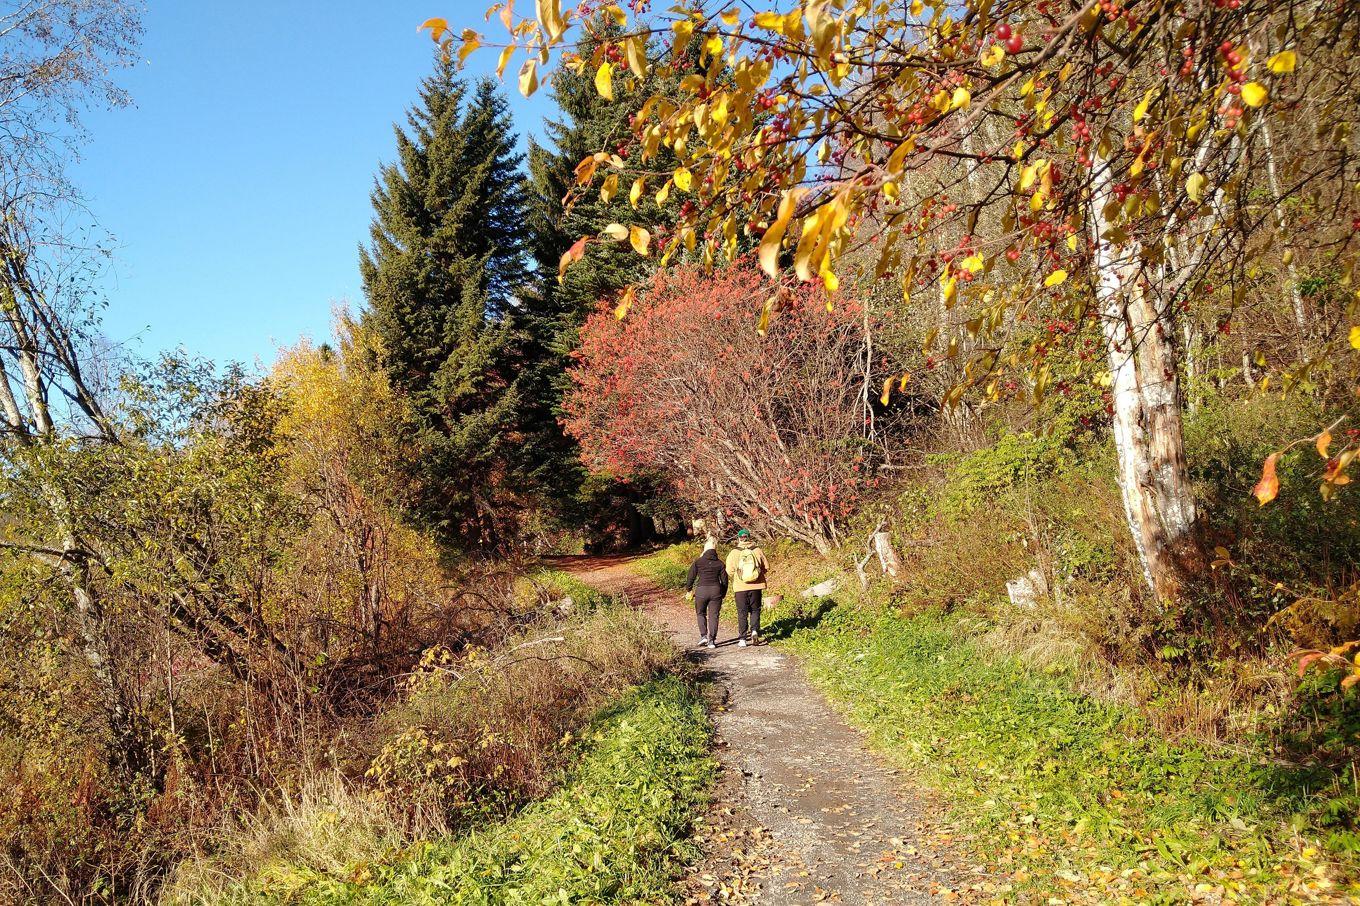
[237,188]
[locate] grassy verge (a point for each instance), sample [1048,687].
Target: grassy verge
[613,832]
[1073,797]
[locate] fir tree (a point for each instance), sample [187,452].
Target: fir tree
[560,212]
[440,276]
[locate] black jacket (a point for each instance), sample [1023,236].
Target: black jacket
[707,572]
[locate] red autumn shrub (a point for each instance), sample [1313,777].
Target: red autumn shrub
[767,430]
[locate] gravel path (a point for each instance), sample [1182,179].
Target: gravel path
[805,813]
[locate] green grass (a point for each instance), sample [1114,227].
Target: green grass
[613,832]
[555,585]
[1066,795]
[669,566]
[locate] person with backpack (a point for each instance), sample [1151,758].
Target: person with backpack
[746,566]
[706,585]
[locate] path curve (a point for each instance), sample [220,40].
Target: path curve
[807,814]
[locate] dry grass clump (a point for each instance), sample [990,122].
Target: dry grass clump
[471,738]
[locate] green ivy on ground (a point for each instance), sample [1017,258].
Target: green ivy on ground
[1072,797]
[614,832]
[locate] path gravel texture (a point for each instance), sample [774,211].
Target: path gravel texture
[804,813]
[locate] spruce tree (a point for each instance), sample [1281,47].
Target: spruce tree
[440,276]
[557,309]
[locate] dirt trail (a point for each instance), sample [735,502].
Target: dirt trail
[805,813]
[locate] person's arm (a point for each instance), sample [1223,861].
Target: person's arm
[693,572]
[731,565]
[722,581]
[764,566]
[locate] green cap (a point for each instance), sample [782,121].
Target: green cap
[743,534]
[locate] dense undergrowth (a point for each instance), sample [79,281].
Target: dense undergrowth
[613,832]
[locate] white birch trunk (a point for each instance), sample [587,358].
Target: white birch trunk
[1140,344]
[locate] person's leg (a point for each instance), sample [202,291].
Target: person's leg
[714,610]
[756,601]
[743,603]
[700,606]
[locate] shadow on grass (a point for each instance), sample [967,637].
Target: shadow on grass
[801,618]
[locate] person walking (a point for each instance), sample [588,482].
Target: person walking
[747,568]
[706,585]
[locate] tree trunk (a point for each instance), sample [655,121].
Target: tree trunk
[1140,344]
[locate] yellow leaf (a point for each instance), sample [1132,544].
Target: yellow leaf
[1194,186]
[635,193]
[887,391]
[436,26]
[960,99]
[770,21]
[1268,488]
[1283,62]
[636,52]
[731,16]
[604,81]
[640,239]
[972,263]
[616,231]
[663,193]
[1255,94]
[1141,110]
[506,54]
[902,385]
[948,290]
[774,236]
[471,41]
[1355,337]
[1055,279]
[550,19]
[573,254]
[917,7]
[528,77]
[993,56]
[610,187]
[621,310]
[899,155]
[1324,441]
[830,281]
[683,179]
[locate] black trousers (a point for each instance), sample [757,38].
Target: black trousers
[707,604]
[748,613]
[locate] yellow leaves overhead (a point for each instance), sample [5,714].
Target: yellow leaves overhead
[438,28]
[550,19]
[570,257]
[1194,187]
[616,231]
[1254,94]
[604,81]
[625,303]
[639,239]
[1283,62]
[1057,278]
[528,78]
[774,236]
[636,53]
[1355,337]
[683,179]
